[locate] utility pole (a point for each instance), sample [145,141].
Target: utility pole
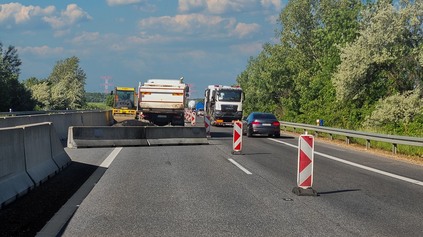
[107,83]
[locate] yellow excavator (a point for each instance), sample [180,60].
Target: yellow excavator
[124,104]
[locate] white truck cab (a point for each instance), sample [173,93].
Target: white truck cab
[223,104]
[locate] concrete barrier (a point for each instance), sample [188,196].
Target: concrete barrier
[62,121]
[38,153]
[103,136]
[176,136]
[14,181]
[60,157]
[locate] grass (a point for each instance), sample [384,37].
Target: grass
[97,106]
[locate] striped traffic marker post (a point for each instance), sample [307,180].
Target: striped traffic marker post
[193,117]
[207,125]
[237,138]
[305,166]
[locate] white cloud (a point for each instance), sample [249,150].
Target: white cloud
[85,37]
[41,51]
[248,49]
[242,29]
[121,2]
[21,14]
[271,4]
[181,23]
[198,24]
[68,17]
[272,19]
[144,38]
[216,6]
[187,5]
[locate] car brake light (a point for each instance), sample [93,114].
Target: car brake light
[255,123]
[277,124]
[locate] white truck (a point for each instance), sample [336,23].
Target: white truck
[223,104]
[162,101]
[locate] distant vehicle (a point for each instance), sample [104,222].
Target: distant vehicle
[124,104]
[191,104]
[261,124]
[162,101]
[199,108]
[223,104]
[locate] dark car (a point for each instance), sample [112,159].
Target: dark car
[261,123]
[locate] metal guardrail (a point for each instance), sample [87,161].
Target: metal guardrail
[394,140]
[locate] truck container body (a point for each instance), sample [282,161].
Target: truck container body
[163,101]
[223,104]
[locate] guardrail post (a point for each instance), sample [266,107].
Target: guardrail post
[367,144]
[347,140]
[394,148]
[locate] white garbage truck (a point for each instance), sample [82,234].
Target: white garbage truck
[223,104]
[162,101]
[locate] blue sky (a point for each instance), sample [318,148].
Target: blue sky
[129,41]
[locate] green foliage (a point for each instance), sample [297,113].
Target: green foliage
[396,112]
[383,60]
[348,62]
[96,106]
[95,97]
[63,89]
[67,85]
[14,95]
[110,100]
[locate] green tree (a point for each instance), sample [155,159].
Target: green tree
[42,94]
[67,85]
[14,95]
[384,60]
[110,100]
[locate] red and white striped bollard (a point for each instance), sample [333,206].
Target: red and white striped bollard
[305,166]
[237,138]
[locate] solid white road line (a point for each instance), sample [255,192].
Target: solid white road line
[59,220]
[240,166]
[106,163]
[413,181]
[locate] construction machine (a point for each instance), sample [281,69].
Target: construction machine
[124,104]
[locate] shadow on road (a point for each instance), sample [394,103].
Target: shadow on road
[220,134]
[339,191]
[29,214]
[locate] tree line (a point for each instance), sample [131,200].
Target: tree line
[354,64]
[62,89]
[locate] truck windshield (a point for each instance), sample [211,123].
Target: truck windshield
[229,95]
[125,99]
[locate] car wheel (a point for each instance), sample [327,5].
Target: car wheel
[277,135]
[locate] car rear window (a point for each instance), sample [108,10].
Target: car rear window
[264,116]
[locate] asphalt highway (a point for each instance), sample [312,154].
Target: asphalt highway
[208,191]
